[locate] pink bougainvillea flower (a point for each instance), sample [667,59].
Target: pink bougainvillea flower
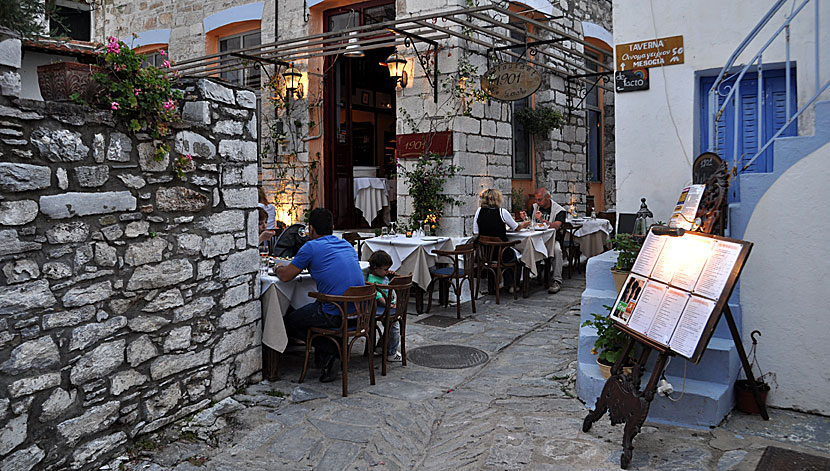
[189,157]
[162,52]
[166,64]
[137,91]
[169,104]
[114,105]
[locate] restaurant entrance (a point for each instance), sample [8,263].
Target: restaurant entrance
[360,120]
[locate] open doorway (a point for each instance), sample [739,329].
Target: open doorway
[360,120]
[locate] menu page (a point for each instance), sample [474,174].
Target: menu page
[691,259]
[649,253]
[671,307]
[628,298]
[669,260]
[647,306]
[690,327]
[717,269]
[686,208]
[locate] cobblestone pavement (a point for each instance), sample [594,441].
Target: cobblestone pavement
[516,412]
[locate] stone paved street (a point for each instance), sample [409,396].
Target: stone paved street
[517,411]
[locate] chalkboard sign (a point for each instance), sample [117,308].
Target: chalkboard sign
[631,80]
[705,165]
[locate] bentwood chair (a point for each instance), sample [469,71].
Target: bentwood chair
[490,258]
[396,291]
[353,325]
[356,240]
[570,247]
[462,269]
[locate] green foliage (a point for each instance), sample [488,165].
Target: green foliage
[540,121]
[426,187]
[610,341]
[629,248]
[22,16]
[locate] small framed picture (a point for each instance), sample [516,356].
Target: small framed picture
[364,98]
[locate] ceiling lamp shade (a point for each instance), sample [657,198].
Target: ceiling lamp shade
[353,50]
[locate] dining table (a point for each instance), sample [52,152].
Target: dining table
[591,234]
[535,245]
[371,195]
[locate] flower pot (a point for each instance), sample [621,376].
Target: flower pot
[605,369]
[60,80]
[619,278]
[745,401]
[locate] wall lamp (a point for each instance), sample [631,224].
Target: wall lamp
[396,65]
[293,82]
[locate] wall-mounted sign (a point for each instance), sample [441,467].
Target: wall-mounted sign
[414,145]
[650,53]
[510,81]
[631,80]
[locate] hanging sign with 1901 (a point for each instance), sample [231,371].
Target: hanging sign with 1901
[510,81]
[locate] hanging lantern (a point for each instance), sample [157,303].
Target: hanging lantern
[353,50]
[292,78]
[396,65]
[644,220]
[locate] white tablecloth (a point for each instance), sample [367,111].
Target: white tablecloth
[409,254]
[370,196]
[534,246]
[591,235]
[276,296]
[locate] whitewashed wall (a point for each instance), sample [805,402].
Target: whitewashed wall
[784,282]
[657,134]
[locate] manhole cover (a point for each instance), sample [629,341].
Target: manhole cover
[775,458]
[446,356]
[439,321]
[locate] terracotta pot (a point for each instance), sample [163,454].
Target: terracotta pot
[619,278]
[745,401]
[606,369]
[60,80]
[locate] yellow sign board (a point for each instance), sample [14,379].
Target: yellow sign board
[650,53]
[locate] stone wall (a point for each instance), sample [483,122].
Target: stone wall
[127,296]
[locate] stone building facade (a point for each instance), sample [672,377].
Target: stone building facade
[128,297]
[483,140]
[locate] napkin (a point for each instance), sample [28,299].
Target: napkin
[535,208]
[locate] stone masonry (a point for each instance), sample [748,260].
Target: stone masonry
[127,296]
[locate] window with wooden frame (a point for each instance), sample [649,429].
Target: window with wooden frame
[249,76]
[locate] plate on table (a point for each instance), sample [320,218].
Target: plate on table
[430,238]
[540,227]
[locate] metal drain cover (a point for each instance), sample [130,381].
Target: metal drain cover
[439,321]
[447,356]
[775,458]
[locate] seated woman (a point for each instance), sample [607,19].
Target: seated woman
[264,232]
[490,220]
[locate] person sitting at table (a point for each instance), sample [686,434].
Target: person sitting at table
[553,215]
[333,265]
[490,220]
[269,208]
[379,272]
[264,232]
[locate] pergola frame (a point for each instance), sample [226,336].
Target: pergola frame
[561,55]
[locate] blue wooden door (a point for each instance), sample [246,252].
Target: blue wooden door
[773,115]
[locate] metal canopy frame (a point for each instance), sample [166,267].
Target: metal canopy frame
[486,29]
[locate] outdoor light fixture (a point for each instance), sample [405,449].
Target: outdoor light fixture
[396,65]
[644,219]
[353,50]
[293,84]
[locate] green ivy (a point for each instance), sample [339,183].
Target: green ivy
[540,121]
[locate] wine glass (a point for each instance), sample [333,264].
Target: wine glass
[384,232]
[426,229]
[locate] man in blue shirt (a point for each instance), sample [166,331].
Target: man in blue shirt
[333,264]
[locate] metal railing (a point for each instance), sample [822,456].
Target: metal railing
[716,112]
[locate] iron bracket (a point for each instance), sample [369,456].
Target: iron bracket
[260,61]
[408,42]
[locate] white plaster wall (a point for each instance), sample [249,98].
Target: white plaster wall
[656,134]
[785,282]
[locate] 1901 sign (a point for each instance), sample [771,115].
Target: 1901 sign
[511,81]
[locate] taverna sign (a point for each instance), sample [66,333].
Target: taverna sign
[650,53]
[510,81]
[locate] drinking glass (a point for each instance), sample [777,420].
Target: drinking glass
[384,232]
[426,229]
[302,231]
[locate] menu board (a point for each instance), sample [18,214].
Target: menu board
[685,211]
[676,286]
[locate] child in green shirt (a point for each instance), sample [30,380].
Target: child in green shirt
[379,264]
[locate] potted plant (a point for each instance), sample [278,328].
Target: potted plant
[609,343]
[541,120]
[627,248]
[426,187]
[744,399]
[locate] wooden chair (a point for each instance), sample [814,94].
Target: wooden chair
[400,286]
[353,325]
[490,257]
[570,247]
[356,240]
[453,276]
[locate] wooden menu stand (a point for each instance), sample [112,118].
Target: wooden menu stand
[621,396]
